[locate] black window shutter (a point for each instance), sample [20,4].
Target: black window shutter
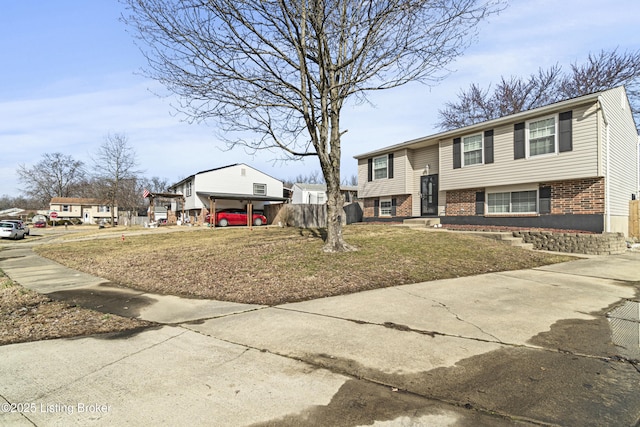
[565,136]
[457,159]
[545,200]
[376,207]
[393,206]
[480,203]
[370,170]
[488,146]
[518,141]
[390,166]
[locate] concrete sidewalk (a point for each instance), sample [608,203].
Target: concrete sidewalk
[529,347]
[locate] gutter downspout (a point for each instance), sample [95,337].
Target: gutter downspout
[607,201]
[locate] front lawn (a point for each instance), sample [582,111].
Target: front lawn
[277,265]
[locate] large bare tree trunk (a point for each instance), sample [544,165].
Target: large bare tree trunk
[335,211]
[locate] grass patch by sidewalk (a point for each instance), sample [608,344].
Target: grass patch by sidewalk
[26,316]
[277,265]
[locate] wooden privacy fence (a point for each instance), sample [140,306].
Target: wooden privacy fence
[634,219]
[308,216]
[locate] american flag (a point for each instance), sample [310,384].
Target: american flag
[145,194]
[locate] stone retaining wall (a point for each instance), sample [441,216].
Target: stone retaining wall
[590,244]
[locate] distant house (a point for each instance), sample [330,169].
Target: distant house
[316,194]
[568,165]
[236,186]
[87,211]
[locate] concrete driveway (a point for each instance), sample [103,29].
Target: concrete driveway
[529,347]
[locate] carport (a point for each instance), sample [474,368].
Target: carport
[249,198]
[162,196]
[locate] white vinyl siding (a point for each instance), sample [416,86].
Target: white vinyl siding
[384,187]
[623,140]
[581,162]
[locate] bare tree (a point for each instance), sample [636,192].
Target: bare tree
[276,74]
[602,71]
[156,184]
[56,175]
[115,170]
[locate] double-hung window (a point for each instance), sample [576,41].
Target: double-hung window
[380,167]
[260,189]
[188,189]
[472,150]
[66,208]
[542,136]
[385,207]
[512,202]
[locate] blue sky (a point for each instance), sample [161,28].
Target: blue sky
[69,78]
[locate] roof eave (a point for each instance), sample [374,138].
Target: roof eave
[435,138]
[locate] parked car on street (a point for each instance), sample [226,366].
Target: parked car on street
[11,230]
[40,224]
[21,224]
[226,217]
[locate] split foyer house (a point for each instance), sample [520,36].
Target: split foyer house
[235,186]
[568,165]
[89,211]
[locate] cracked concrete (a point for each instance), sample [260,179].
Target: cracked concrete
[529,347]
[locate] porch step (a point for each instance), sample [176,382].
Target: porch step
[506,237]
[420,222]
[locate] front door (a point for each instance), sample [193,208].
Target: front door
[429,195]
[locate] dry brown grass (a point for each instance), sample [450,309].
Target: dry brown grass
[278,265]
[28,316]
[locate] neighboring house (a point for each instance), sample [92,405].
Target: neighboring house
[88,211]
[568,165]
[316,194]
[233,186]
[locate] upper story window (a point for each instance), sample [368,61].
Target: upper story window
[260,189]
[380,167]
[472,150]
[320,198]
[104,209]
[66,208]
[542,136]
[188,190]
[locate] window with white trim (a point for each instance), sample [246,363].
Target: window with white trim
[385,207]
[104,209]
[472,150]
[260,189]
[513,202]
[320,198]
[380,168]
[188,191]
[541,135]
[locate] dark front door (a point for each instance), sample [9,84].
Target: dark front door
[429,195]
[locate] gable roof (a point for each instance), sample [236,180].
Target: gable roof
[76,201]
[217,169]
[310,187]
[523,115]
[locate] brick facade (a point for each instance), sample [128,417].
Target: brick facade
[577,197]
[403,205]
[461,202]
